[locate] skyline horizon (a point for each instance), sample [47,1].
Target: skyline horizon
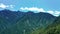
[56,13]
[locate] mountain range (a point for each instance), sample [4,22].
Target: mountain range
[18,22]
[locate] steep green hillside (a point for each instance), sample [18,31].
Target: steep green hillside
[3,24]
[55,28]
[51,29]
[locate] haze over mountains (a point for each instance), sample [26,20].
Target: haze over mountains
[17,22]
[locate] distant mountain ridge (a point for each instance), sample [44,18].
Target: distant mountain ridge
[21,21]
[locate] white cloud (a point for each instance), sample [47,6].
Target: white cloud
[11,6]
[51,12]
[55,13]
[37,10]
[3,6]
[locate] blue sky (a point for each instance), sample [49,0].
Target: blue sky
[48,5]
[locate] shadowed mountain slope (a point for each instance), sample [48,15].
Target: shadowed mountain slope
[24,23]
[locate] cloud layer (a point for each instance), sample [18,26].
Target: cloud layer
[34,9]
[3,6]
[37,10]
